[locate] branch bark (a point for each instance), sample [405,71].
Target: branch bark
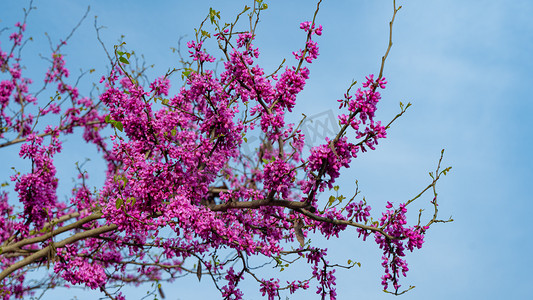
[46,251]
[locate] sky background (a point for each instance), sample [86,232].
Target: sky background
[464,65]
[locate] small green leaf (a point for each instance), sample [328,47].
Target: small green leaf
[107,119]
[119,203]
[245,139]
[124,60]
[120,53]
[187,72]
[336,188]
[331,199]
[212,14]
[119,126]
[173,132]
[205,33]
[446,170]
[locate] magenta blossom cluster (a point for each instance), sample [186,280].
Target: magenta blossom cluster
[160,86]
[58,70]
[270,288]
[79,269]
[279,177]
[394,222]
[37,190]
[230,291]
[311,47]
[197,54]
[16,37]
[333,158]
[325,277]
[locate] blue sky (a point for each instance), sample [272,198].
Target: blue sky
[464,65]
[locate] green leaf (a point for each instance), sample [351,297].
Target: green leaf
[187,72]
[173,132]
[206,34]
[446,170]
[124,60]
[119,125]
[107,119]
[331,199]
[336,188]
[212,14]
[120,53]
[119,203]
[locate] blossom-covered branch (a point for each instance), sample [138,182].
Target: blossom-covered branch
[180,191]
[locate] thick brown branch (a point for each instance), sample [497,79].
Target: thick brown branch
[258,203]
[46,251]
[16,246]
